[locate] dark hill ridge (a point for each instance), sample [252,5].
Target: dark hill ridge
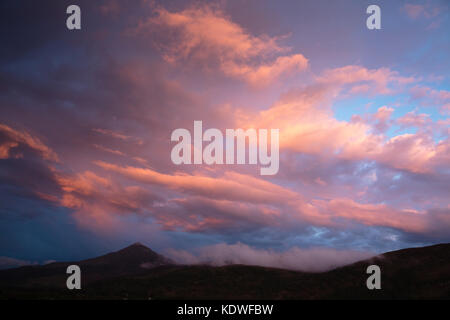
[131,260]
[416,273]
[135,256]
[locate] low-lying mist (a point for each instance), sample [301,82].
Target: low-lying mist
[310,260]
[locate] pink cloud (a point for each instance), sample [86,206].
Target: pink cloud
[412,119]
[307,124]
[377,215]
[207,27]
[231,203]
[427,11]
[113,151]
[264,74]
[118,135]
[98,202]
[413,152]
[414,10]
[200,214]
[16,138]
[205,35]
[359,77]
[384,113]
[232,186]
[382,119]
[427,96]
[339,212]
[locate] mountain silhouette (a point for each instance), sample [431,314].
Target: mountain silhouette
[131,260]
[137,272]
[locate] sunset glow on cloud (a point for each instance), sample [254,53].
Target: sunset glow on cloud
[86,120]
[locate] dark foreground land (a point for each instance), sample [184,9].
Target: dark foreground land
[137,272]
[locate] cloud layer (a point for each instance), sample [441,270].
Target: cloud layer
[309,260]
[85,131]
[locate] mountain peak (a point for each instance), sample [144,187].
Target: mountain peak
[137,244]
[137,249]
[135,256]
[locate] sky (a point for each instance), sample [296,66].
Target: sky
[86,118]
